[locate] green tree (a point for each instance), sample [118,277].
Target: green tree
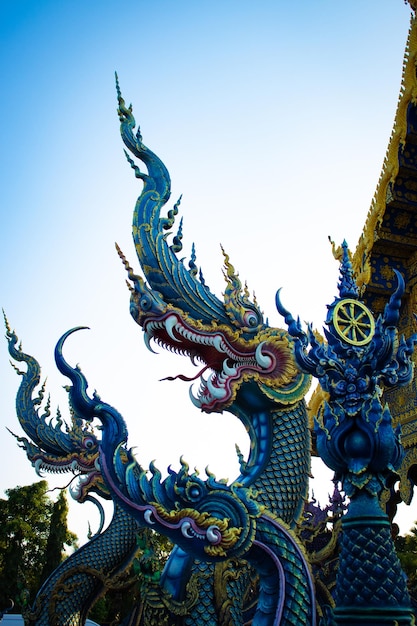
[25,529]
[406,547]
[59,537]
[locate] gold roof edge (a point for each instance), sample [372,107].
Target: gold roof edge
[390,166]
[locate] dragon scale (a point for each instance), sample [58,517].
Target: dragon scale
[70,591]
[283,479]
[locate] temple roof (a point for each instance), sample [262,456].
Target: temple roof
[389,237]
[389,241]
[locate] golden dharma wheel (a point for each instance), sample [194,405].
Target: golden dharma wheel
[353,322]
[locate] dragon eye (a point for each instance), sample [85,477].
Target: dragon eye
[251,319]
[89,443]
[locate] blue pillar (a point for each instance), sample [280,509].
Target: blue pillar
[355,438]
[371,587]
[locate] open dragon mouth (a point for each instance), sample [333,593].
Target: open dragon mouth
[43,464]
[230,360]
[83,474]
[82,484]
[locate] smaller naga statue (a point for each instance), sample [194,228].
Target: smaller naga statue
[355,438]
[67,595]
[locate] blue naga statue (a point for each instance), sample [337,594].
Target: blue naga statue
[208,519]
[252,370]
[217,528]
[55,447]
[356,439]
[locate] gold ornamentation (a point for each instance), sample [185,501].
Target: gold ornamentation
[229,536]
[353,322]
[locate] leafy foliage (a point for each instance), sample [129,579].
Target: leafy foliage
[128,594]
[33,532]
[406,547]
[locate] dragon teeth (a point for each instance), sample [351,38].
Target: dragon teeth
[171,323]
[196,401]
[217,392]
[227,370]
[262,360]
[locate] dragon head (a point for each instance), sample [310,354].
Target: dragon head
[209,518]
[249,362]
[53,446]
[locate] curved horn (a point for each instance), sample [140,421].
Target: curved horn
[51,438]
[163,270]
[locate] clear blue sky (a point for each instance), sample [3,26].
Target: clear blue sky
[273,119]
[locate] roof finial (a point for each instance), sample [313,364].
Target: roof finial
[347,284]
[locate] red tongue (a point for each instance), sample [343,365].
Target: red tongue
[187,378]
